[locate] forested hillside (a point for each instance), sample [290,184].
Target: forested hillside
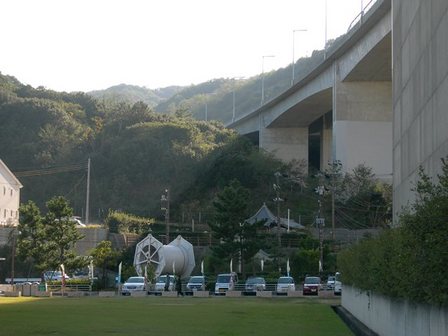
[133,93]
[215,96]
[46,138]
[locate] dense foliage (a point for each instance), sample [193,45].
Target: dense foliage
[119,222]
[238,239]
[49,240]
[408,261]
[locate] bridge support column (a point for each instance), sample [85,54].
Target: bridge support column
[286,143]
[362,125]
[326,140]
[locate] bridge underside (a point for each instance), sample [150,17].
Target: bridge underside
[343,111]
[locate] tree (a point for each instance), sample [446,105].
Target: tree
[49,240]
[61,234]
[104,257]
[31,242]
[237,238]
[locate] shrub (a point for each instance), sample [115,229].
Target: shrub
[120,222]
[409,261]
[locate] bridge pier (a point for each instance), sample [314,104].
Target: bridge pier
[362,125]
[286,143]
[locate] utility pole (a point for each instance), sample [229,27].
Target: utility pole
[13,255]
[88,192]
[320,223]
[278,200]
[166,199]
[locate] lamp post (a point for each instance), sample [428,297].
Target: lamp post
[262,77]
[362,11]
[165,200]
[326,19]
[234,98]
[293,58]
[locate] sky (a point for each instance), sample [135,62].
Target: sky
[84,45]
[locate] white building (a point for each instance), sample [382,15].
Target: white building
[9,196]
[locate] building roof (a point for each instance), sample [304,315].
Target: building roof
[8,175]
[264,214]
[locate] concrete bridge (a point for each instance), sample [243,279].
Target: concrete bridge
[342,110]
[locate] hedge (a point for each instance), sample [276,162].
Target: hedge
[410,261]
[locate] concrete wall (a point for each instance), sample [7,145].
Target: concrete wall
[420,92]
[388,317]
[92,236]
[362,125]
[286,143]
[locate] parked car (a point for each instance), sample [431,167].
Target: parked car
[337,284]
[54,276]
[285,284]
[330,282]
[311,285]
[196,283]
[133,284]
[161,282]
[255,284]
[225,282]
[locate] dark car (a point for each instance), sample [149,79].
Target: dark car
[196,283]
[255,284]
[311,285]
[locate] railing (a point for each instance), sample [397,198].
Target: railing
[69,287]
[359,17]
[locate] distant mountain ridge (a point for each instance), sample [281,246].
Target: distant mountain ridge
[133,93]
[220,99]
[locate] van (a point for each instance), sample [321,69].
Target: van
[225,282]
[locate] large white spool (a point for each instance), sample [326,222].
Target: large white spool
[175,258]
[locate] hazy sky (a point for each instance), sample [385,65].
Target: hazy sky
[83,45]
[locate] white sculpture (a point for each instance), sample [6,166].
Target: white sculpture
[176,258]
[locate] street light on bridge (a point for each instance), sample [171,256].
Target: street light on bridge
[293,58]
[262,77]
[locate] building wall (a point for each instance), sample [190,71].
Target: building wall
[392,317]
[420,92]
[9,200]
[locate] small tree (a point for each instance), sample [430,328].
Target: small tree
[31,242]
[104,257]
[237,238]
[49,240]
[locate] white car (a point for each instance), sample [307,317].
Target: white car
[54,276]
[133,284]
[285,284]
[330,282]
[337,284]
[225,282]
[161,282]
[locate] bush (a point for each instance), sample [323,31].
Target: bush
[410,261]
[120,222]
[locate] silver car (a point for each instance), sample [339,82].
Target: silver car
[255,284]
[133,284]
[285,284]
[161,283]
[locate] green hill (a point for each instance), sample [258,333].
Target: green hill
[133,93]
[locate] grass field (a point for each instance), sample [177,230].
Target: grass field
[168,316]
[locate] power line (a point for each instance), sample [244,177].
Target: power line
[51,170]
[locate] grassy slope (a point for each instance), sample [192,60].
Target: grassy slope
[168,316]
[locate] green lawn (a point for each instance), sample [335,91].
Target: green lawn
[168,316]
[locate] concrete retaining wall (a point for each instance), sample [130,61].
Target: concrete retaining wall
[390,317]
